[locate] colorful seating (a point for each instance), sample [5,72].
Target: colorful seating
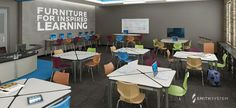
[188,45]
[139,46]
[130,40]
[59,51]
[93,63]
[108,68]
[58,64]
[177,47]
[61,78]
[110,40]
[209,47]
[120,40]
[123,57]
[91,49]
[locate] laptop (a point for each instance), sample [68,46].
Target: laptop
[155,68]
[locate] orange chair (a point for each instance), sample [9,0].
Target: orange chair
[61,78]
[130,40]
[194,63]
[93,63]
[129,93]
[108,68]
[68,44]
[209,47]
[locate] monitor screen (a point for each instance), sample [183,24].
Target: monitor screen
[177,32]
[155,68]
[62,36]
[53,36]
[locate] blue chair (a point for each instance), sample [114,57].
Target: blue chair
[123,57]
[69,35]
[87,39]
[120,39]
[63,104]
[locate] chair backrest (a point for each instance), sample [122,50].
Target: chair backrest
[113,48]
[56,62]
[3,50]
[194,62]
[123,55]
[108,68]
[209,47]
[61,78]
[68,40]
[154,42]
[224,58]
[128,90]
[60,41]
[87,37]
[63,104]
[189,43]
[177,45]
[139,46]
[130,38]
[59,51]
[91,49]
[97,58]
[119,38]
[185,83]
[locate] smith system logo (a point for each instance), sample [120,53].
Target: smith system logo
[208,98]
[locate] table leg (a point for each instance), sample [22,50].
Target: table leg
[158,99]
[110,94]
[74,70]
[166,98]
[80,70]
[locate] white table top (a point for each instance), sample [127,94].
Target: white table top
[203,56]
[134,51]
[49,97]
[22,81]
[117,34]
[36,86]
[5,102]
[169,40]
[129,73]
[71,55]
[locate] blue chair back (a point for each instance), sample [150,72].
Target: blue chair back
[123,56]
[69,35]
[63,104]
[119,38]
[62,36]
[87,37]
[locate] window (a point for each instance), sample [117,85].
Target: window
[230,14]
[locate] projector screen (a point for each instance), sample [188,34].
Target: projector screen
[136,25]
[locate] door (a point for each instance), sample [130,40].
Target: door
[3,27]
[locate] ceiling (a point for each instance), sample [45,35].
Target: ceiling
[127,2]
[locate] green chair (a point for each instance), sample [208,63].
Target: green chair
[139,46]
[91,49]
[222,65]
[177,47]
[175,90]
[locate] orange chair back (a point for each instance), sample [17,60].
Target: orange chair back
[68,40]
[193,62]
[209,48]
[61,78]
[108,68]
[97,58]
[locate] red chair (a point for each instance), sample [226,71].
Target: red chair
[58,64]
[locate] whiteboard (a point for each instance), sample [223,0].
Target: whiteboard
[136,25]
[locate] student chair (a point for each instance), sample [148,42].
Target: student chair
[123,57]
[91,49]
[58,64]
[139,46]
[78,42]
[59,51]
[221,65]
[63,104]
[87,39]
[130,40]
[108,68]
[159,46]
[140,39]
[60,77]
[177,47]
[120,39]
[112,48]
[178,91]
[188,45]
[129,93]
[93,63]
[209,48]
[194,63]
[68,44]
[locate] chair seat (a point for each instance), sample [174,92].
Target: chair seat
[220,65]
[90,64]
[176,90]
[137,100]
[194,68]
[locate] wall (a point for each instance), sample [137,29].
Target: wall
[12,7]
[203,18]
[29,23]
